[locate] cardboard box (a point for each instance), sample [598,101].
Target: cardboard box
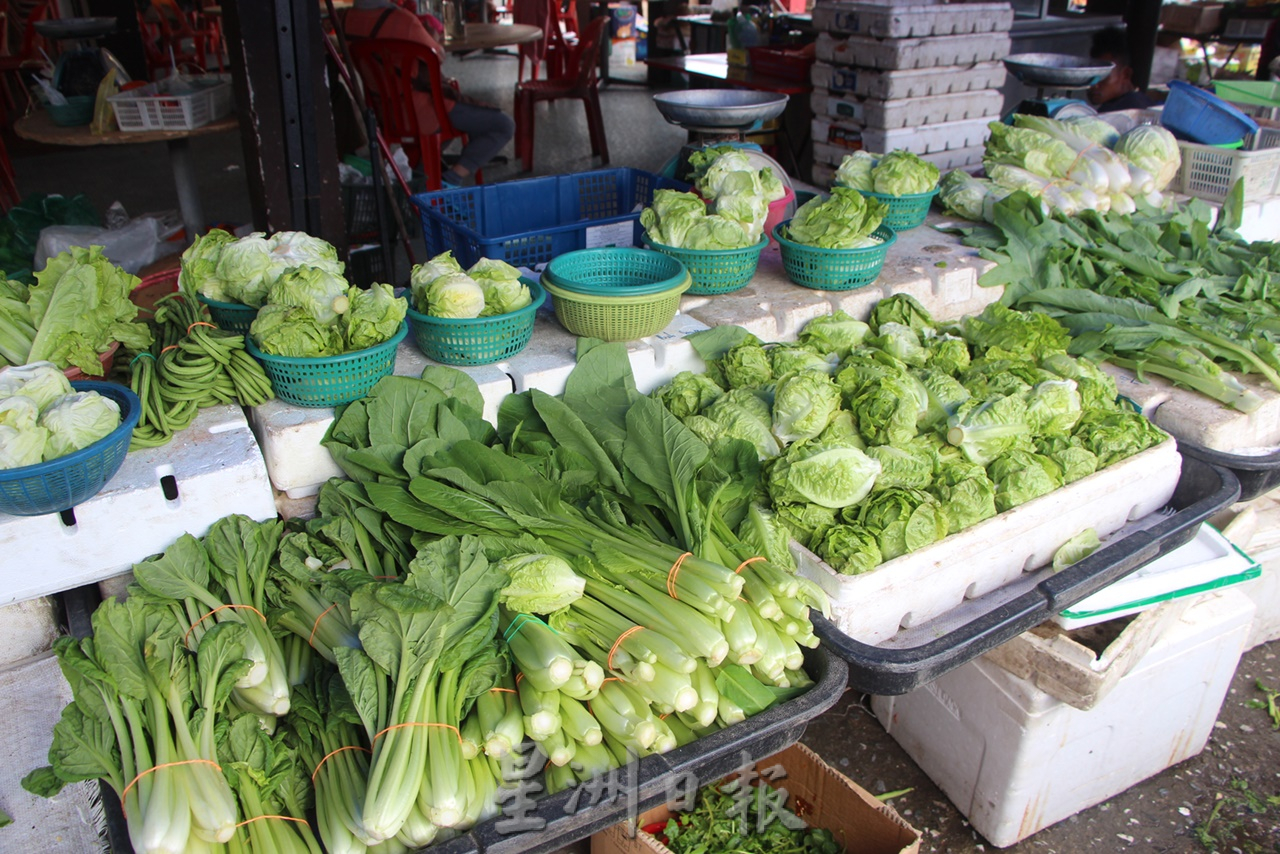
[818,793]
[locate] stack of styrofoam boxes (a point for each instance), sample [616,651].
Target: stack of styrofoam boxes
[916,76]
[1040,729]
[1255,526]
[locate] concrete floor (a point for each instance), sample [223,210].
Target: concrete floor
[140,179]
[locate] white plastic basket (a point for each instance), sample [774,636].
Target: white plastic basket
[153,107]
[1209,172]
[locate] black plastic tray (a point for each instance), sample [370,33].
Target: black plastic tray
[706,760]
[1202,490]
[1258,475]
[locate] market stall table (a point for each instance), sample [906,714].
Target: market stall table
[487,36]
[40,127]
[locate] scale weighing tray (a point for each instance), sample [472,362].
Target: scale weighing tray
[1056,70]
[719,111]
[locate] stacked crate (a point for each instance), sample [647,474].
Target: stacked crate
[924,77]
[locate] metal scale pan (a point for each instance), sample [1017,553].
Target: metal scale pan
[1056,70]
[721,112]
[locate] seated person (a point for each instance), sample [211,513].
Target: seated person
[1116,91]
[487,128]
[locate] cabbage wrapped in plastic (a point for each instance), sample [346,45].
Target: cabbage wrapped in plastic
[199,267]
[837,332]
[1063,195]
[844,221]
[854,171]
[830,474]
[671,215]
[373,317]
[540,583]
[973,198]
[808,523]
[904,309]
[287,330]
[504,292]
[245,269]
[428,271]
[909,467]
[901,173]
[1109,173]
[850,549]
[1053,407]
[1073,458]
[291,249]
[986,430]
[42,382]
[76,421]
[1154,150]
[967,494]
[452,295]
[319,291]
[688,394]
[803,404]
[1022,475]
[903,520]
[1112,435]
[742,414]
[23,447]
[901,342]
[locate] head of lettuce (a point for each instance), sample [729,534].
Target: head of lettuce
[846,220]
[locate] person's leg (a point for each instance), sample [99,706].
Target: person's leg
[488,129]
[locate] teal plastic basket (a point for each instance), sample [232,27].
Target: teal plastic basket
[230,316]
[62,483]
[905,212]
[717,271]
[329,380]
[477,340]
[615,271]
[833,269]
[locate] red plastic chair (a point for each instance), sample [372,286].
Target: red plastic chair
[387,67]
[582,82]
[174,38]
[28,56]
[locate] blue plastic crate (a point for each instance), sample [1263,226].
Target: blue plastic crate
[1199,116]
[530,222]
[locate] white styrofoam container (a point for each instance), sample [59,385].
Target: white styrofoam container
[28,628]
[907,112]
[32,696]
[827,159]
[1014,759]
[928,52]
[917,587]
[1264,591]
[904,21]
[1255,526]
[216,468]
[948,136]
[891,85]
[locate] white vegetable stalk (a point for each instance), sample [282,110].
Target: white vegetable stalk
[541,710]
[542,655]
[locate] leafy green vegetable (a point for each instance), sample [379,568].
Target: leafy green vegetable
[910,467]
[830,474]
[451,295]
[1000,333]
[1076,549]
[901,342]
[198,272]
[855,171]
[374,315]
[901,173]
[283,330]
[902,309]
[245,269]
[688,394]
[76,421]
[1152,149]
[742,414]
[844,221]
[968,496]
[540,584]
[1116,434]
[1070,454]
[789,358]
[903,520]
[803,404]
[504,292]
[322,293]
[850,549]
[837,333]
[1020,476]
[40,382]
[984,430]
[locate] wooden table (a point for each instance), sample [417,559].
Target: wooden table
[39,127]
[487,36]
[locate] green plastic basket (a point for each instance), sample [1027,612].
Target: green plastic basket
[614,271]
[230,316]
[623,318]
[833,269]
[718,271]
[329,380]
[905,212]
[477,340]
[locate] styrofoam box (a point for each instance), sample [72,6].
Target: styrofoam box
[1264,591]
[1255,526]
[907,112]
[916,20]
[32,696]
[1014,760]
[216,468]
[929,52]
[1192,416]
[926,583]
[948,136]
[28,628]
[890,85]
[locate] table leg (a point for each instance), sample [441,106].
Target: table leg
[184,180]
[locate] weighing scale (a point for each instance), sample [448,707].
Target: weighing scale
[715,117]
[1056,72]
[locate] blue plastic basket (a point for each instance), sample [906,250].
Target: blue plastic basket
[833,269]
[329,380]
[477,340]
[532,221]
[230,316]
[1195,115]
[78,476]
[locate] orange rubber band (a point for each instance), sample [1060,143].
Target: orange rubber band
[505,690]
[519,676]
[125,793]
[201,323]
[216,610]
[335,753]
[167,349]
[456,731]
[608,662]
[281,817]
[675,571]
[311,641]
[746,563]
